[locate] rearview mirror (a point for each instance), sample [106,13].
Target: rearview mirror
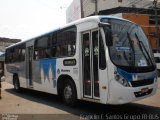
[108,33]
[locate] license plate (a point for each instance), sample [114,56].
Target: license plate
[144,90]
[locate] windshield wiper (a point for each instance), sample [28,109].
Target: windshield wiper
[132,47]
[149,60]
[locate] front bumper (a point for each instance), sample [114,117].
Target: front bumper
[119,94]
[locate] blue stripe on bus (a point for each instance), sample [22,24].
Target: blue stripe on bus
[140,76]
[127,76]
[45,65]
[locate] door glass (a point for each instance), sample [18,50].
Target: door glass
[30,50]
[86,64]
[90,60]
[95,52]
[102,59]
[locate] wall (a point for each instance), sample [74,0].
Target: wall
[73,12]
[143,21]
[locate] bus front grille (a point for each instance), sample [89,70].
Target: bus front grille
[142,82]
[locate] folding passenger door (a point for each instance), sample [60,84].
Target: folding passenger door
[90,64]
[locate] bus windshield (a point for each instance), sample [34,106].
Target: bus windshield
[130,48]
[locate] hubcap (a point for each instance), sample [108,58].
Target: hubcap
[67,92]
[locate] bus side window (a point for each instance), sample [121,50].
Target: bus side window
[23,54]
[71,50]
[41,53]
[48,52]
[102,59]
[8,57]
[53,51]
[58,51]
[36,55]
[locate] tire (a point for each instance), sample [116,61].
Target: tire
[16,84]
[69,94]
[158,73]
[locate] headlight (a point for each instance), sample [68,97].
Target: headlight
[122,81]
[155,79]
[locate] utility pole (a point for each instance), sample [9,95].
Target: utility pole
[156,24]
[82,13]
[96,7]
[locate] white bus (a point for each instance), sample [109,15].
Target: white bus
[101,59]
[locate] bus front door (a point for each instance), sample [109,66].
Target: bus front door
[90,64]
[29,66]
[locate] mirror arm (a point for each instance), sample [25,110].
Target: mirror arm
[101,24]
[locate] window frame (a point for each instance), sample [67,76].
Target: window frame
[54,43]
[21,55]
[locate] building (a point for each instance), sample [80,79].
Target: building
[139,11]
[5,42]
[95,6]
[90,7]
[73,12]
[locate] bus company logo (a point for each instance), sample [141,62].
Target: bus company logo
[62,70]
[58,71]
[134,77]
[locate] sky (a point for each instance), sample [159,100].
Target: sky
[24,19]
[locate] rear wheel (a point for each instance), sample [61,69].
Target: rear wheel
[69,93]
[158,71]
[16,84]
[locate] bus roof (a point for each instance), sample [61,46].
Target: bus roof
[86,19]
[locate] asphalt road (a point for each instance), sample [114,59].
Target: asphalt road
[29,105]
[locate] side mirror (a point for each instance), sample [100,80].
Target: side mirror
[108,33]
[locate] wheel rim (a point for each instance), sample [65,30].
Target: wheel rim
[68,93]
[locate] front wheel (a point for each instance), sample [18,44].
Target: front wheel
[69,93]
